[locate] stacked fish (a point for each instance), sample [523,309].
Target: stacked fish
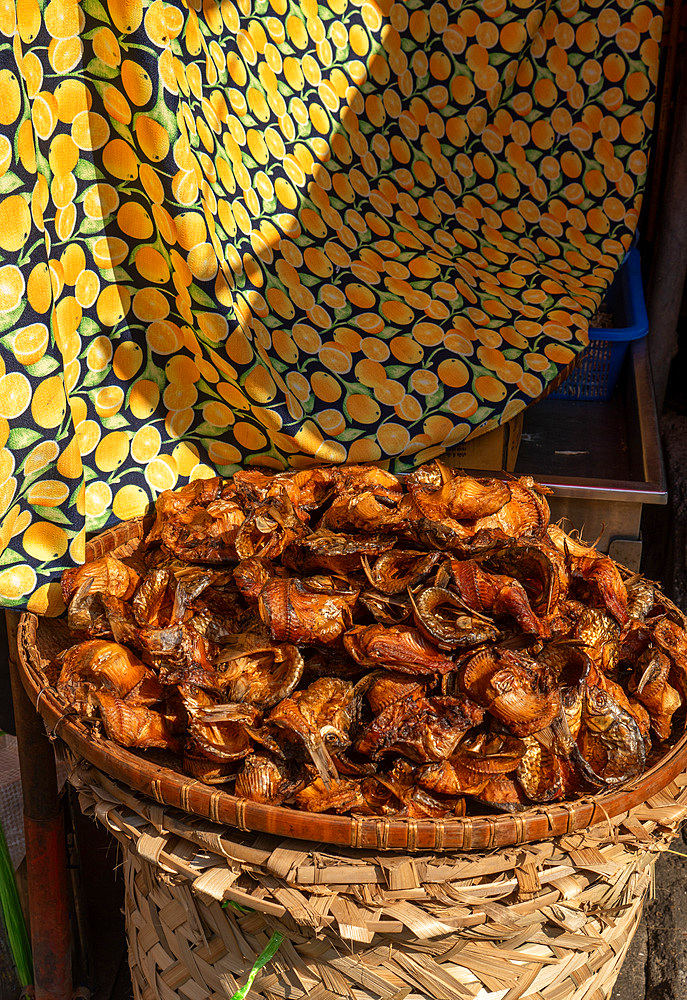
[336,639]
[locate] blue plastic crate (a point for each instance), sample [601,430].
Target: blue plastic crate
[597,373]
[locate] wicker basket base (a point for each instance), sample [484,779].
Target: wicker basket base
[550,921]
[182,949]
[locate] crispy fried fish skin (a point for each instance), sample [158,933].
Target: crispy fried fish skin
[514,688]
[649,684]
[342,796]
[265,778]
[503,595]
[99,665]
[133,725]
[442,617]
[397,648]
[462,498]
[539,772]
[395,571]
[610,741]
[334,552]
[306,613]
[422,729]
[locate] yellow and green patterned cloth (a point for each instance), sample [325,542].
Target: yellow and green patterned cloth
[289,232]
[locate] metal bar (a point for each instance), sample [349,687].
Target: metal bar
[45,842]
[670,254]
[618,490]
[601,489]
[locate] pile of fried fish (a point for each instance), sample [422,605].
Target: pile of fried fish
[341,640]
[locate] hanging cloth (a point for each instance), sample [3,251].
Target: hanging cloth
[278,234]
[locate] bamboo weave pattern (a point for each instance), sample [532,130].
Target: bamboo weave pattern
[552,921]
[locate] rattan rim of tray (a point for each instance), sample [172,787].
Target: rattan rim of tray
[173,788]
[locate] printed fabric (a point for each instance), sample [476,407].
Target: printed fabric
[284,233]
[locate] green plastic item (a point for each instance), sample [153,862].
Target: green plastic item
[267,954]
[13,916]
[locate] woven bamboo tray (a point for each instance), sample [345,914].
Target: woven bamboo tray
[39,641]
[215,913]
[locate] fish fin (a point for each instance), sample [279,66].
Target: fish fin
[645,678]
[367,569]
[562,736]
[546,737]
[322,760]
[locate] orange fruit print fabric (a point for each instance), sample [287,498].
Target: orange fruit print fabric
[289,232]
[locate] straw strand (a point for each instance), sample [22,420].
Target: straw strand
[549,922]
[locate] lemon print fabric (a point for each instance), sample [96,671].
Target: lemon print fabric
[288,232]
